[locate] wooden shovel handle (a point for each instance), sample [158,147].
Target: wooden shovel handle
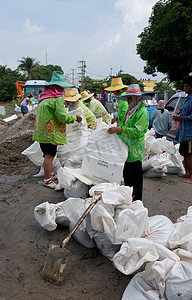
[89,208]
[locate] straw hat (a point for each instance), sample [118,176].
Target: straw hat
[133,90]
[116,84]
[72,95]
[59,79]
[85,95]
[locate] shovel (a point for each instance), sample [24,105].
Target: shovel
[58,254]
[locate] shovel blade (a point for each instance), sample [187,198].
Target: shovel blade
[55,265]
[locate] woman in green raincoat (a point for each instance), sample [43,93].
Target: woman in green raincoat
[132,133]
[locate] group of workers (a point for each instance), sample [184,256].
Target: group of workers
[132,124]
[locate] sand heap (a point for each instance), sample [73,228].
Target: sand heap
[16,138]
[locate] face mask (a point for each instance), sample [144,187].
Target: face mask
[73,105]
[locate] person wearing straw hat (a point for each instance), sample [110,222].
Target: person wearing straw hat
[71,99]
[95,106]
[132,133]
[50,123]
[118,89]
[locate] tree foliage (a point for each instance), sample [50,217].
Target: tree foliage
[45,72]
[29,66]
[7,83]
[166,44]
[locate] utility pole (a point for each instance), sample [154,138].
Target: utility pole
[110,75]
[82,73]
[73,76]
[120,71]
[46,58]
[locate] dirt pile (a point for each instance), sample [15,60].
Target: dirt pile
[16,137]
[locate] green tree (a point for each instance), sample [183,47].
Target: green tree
[45,72]
[166,44]
[7,84]
[29,66]
[94,85]
[163,86]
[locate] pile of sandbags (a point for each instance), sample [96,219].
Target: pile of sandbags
[161,157]
[156,250]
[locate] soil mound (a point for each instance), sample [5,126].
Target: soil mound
[13,141]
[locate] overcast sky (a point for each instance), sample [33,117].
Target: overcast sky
[104,33]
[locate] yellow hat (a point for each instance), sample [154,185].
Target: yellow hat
[85,95]
[116,84]
[72,95]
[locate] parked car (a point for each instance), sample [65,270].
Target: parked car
[112,105]
[174,106]
[151,105]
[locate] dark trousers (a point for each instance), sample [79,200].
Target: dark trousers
[133,176]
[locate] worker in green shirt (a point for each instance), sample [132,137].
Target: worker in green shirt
[50,123]
[132,133]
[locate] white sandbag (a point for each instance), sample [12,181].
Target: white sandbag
[78,190]
[182,236]
[103,187]
[102,221]
[179,282]
[154,173]
[77,137]
[77,173]
[65,179]
[155,146]
[138,289]
[113,193]
[104,157]
[174,170]
[82,237]
[160,229]
[184,255]
[105,246]
[167,146]
[148,163]
[45,214]
[34,153]
[2,110]
[74,130]
[164,253]
[11,118]
[17,108]
[186,217]
[74,208]
[156,273]
[40,173]
[61,218]
[132,222]
[133,254]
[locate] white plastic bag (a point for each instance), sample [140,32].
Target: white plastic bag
[160,229]
[113,193]
[133,254]
[34,153]
[182,236]
[45,214]
[138,289]
[104,157]
[179,282]
[132,222]
[79,190]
